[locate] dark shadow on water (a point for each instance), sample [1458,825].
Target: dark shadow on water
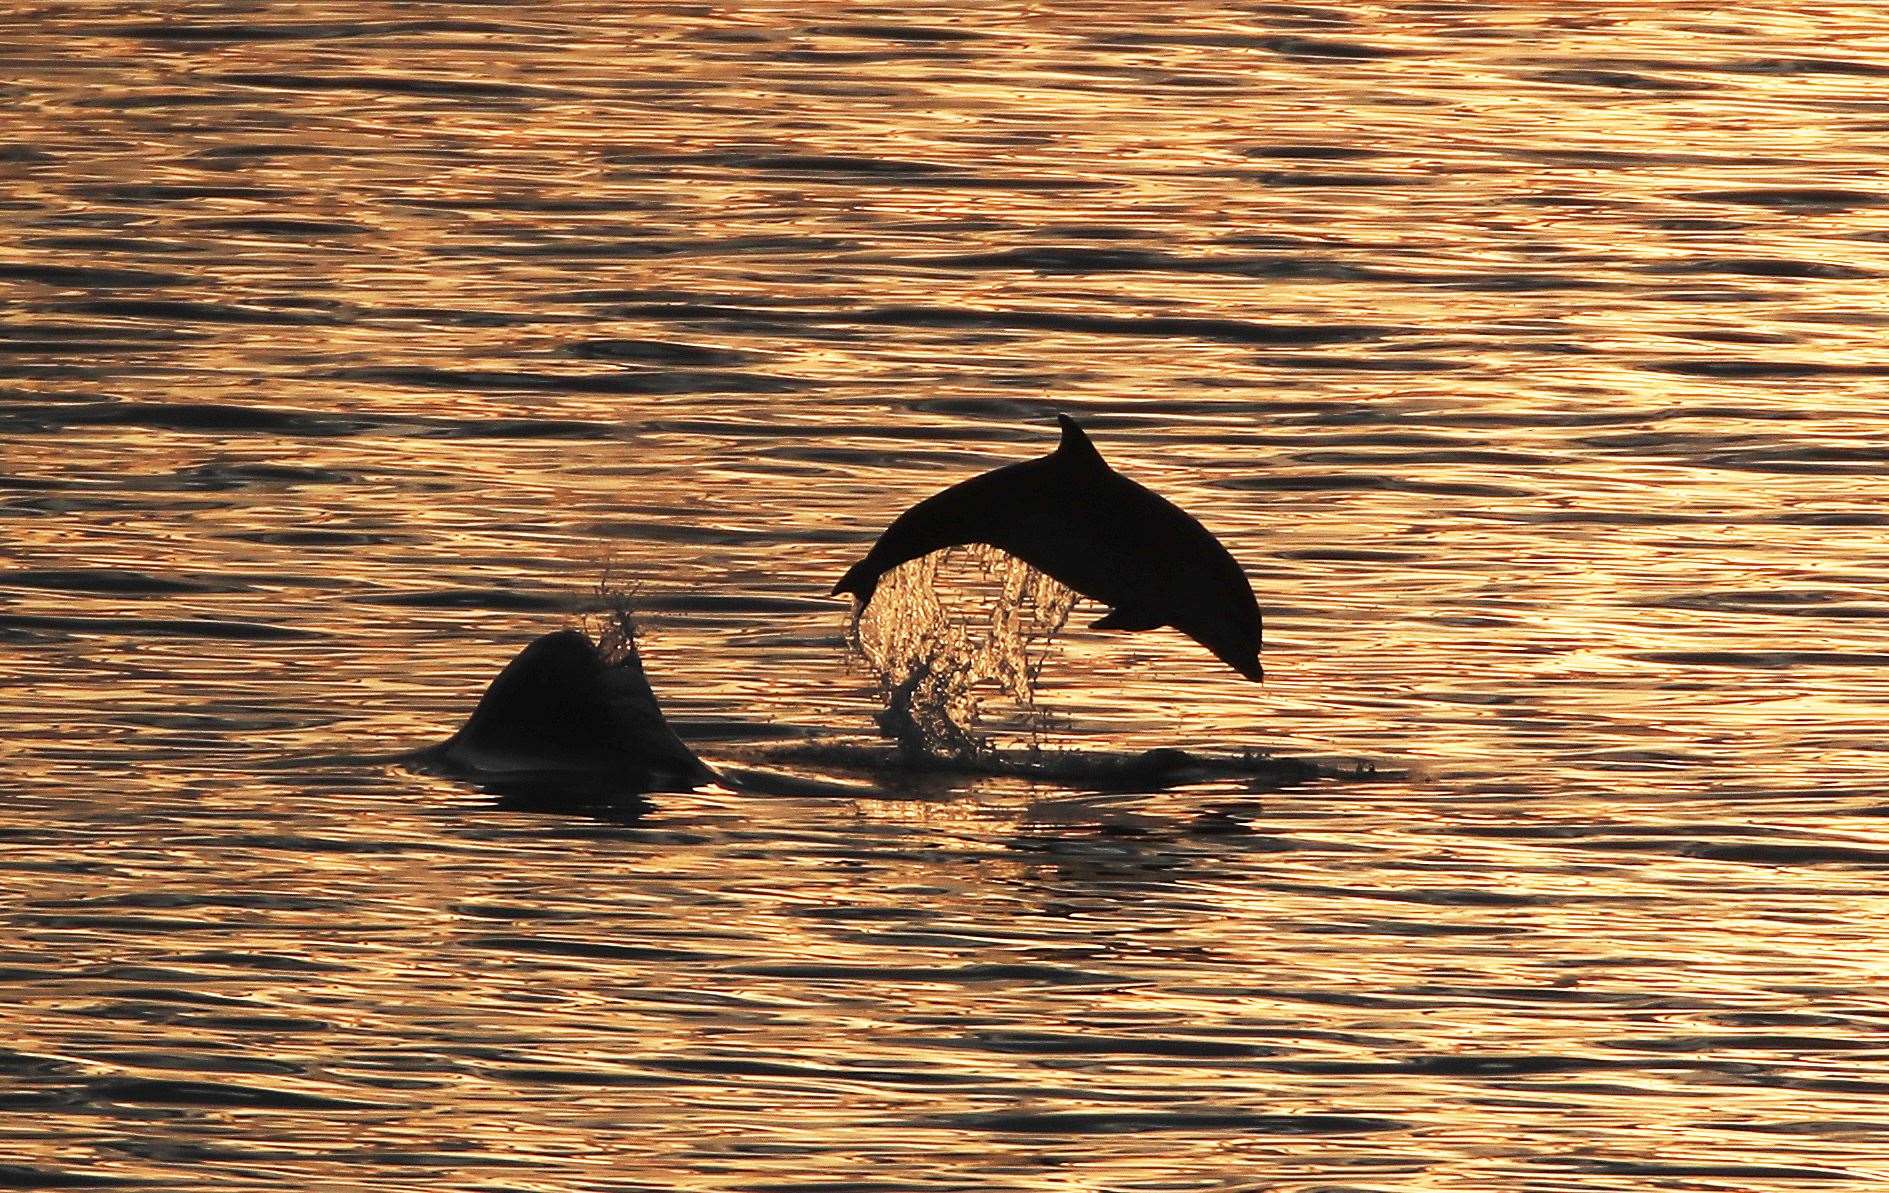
[566,795]
[1115,771]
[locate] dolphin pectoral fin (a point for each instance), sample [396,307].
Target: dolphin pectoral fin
[1127,618]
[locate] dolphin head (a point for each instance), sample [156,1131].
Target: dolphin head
[1215,606]
[1230,629]
[1242,656]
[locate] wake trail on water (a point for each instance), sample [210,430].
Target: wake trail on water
[956,643]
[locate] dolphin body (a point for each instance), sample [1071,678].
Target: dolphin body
[559,713]
[570,727]
[1072,517]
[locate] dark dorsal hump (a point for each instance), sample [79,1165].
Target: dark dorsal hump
[1075,447]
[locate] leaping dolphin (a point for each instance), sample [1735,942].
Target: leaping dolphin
[1072,517]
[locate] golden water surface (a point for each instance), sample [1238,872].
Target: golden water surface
[1530,357]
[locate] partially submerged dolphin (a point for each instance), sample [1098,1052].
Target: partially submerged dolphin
[560,711]
[1072,517]
[570,724]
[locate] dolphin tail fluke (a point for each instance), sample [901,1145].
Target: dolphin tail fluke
[860,580]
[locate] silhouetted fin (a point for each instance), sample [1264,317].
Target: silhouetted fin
[1075,445]
[558,709]
[1129,619]
[1072,517]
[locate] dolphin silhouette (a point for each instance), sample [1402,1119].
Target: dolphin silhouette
[570,727]
[1074,518]
[560,710]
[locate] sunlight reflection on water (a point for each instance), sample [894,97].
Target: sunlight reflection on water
[1530,360]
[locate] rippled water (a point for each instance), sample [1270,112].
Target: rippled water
[1530,357]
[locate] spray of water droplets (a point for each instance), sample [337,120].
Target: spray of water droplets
[949,634]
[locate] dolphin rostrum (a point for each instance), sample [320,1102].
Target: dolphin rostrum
[1072,517]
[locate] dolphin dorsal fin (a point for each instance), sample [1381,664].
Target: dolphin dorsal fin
[1075,446]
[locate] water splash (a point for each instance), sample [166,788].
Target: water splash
[946,634]
[611,624]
